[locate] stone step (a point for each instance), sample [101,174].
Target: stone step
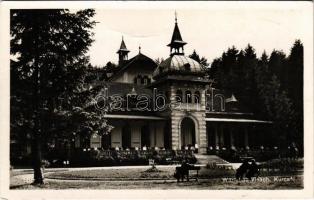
[205,159]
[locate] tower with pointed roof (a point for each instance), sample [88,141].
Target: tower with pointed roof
[177,44]
[123,53]
[183,82]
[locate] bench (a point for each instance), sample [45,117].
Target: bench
[184,171]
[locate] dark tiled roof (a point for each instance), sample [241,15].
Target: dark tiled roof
[176,36]
[179,63]
[123,47]
[138,60]
[123,89]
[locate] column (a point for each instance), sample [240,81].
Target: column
[216,136]
[135,135]
[116,137]
[202,99]
[246,137]
[152,134]
[231,137]
[201,136]
[221,133]
[175,128]
[160,134]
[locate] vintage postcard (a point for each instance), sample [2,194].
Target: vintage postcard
[158,100]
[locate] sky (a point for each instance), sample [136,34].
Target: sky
[208,30]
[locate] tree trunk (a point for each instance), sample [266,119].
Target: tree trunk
[36,156]
[36,147]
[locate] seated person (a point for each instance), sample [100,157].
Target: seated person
[242,170]
[253,170]
[182,171]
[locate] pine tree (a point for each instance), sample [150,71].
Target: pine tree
[275,104]
[294,87]
[48,93]
[201,60]
[277,65]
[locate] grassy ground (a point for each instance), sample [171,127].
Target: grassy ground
[139,178]
[212,184]
[164,173]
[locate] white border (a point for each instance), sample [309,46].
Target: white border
[307,192]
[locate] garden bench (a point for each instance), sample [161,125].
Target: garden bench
[182,171]
[246,158]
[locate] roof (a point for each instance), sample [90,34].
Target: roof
[237,120]
[138,60]
[115,116]
[115,88]
[179,63]
[224,100]
[176,39]
[123,47]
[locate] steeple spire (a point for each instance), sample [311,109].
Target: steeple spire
[176,41]
[122,52]
[175,13]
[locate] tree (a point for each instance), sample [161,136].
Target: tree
[47,73]
[275,104]
[294,86]
[247,89]
[277,65]
[275,84]
[159,60]
[202,60]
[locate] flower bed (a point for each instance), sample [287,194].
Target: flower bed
[97,157]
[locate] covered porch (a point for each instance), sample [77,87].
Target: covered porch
[132,132]
[236,134]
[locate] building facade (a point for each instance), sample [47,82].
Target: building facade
[172,105]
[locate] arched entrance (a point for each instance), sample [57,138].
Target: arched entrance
[187,132]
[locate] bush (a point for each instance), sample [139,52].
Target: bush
[111,158]
[283,165]
[45,163]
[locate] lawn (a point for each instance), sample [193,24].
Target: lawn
[164,173]
[140,178]
[203,184]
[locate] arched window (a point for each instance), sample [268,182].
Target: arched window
[179,96]
[187,67]
[197,97]
[188,96]
[138,80]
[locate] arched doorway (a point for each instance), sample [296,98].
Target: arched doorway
[187,132]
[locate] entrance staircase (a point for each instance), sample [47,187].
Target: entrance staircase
[205,159]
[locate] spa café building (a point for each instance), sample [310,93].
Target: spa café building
[206,118]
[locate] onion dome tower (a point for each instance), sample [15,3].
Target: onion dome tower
[183,82]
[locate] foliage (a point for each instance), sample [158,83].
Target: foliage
[272,87]
[159,60]
[284,164]
[48,69]
[201,60]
